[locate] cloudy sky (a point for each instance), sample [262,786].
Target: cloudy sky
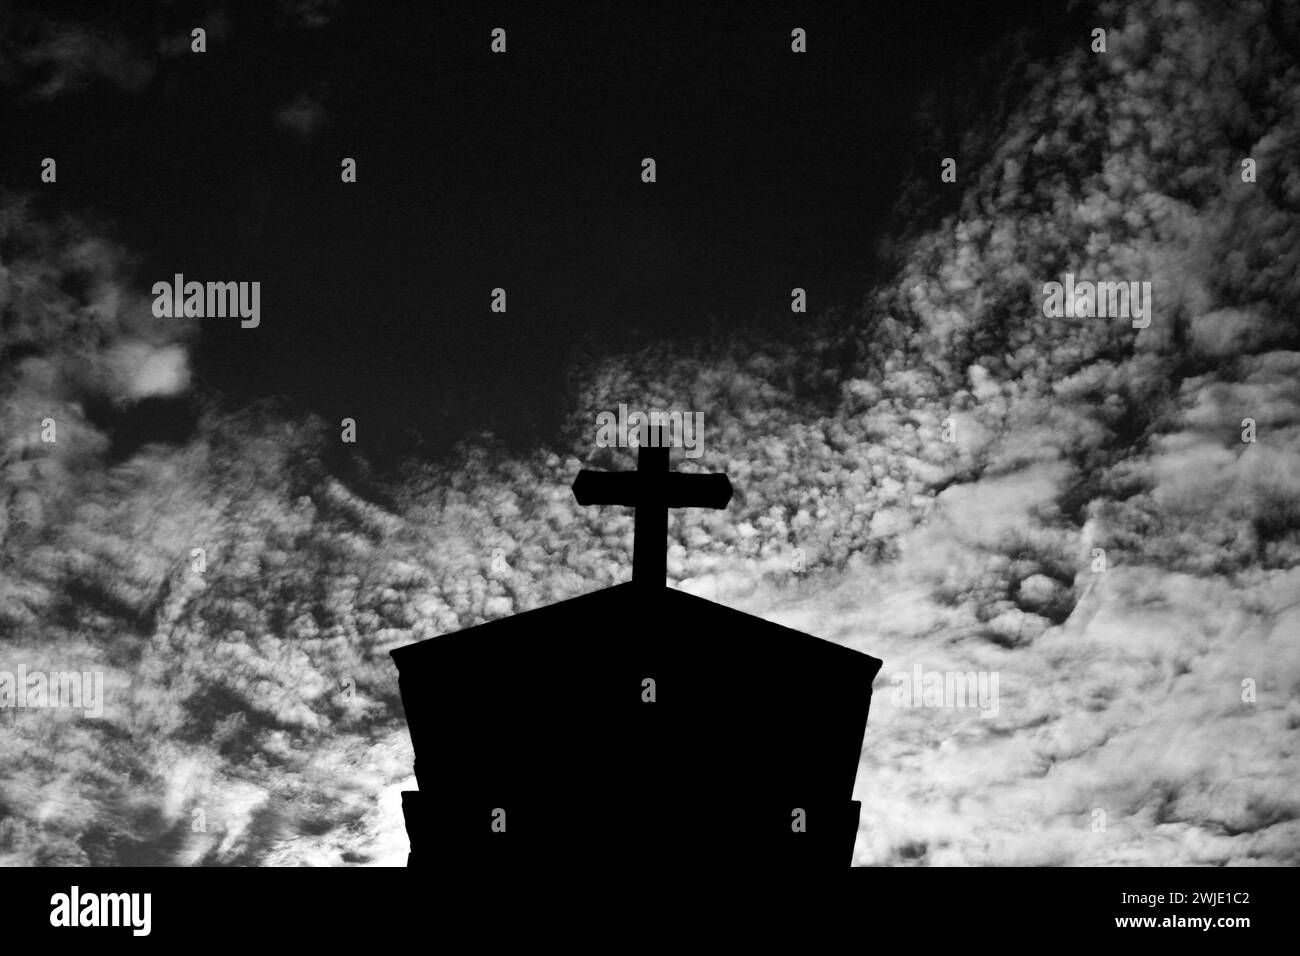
[1068,503]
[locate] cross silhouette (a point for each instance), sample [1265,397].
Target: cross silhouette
[652,489]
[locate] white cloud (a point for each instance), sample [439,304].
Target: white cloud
[1121,690]
[146,371]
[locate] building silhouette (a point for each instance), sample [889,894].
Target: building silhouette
[636,726]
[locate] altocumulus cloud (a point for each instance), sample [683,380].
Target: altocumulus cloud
[258,720]
[1122,691]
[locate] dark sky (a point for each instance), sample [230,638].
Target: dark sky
[520,171]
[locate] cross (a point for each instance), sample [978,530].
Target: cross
[652,489]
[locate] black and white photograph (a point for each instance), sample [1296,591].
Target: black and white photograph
[648,437]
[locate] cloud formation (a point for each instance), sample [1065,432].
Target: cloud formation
[948,465]
[302,116]
[48,57]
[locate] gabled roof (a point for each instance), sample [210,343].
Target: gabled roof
[557,695]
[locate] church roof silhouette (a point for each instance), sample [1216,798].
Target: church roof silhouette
[636,725]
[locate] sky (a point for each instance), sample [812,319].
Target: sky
[927,466]
[477,172]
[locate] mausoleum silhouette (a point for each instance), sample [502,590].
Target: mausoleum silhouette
[636,726]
